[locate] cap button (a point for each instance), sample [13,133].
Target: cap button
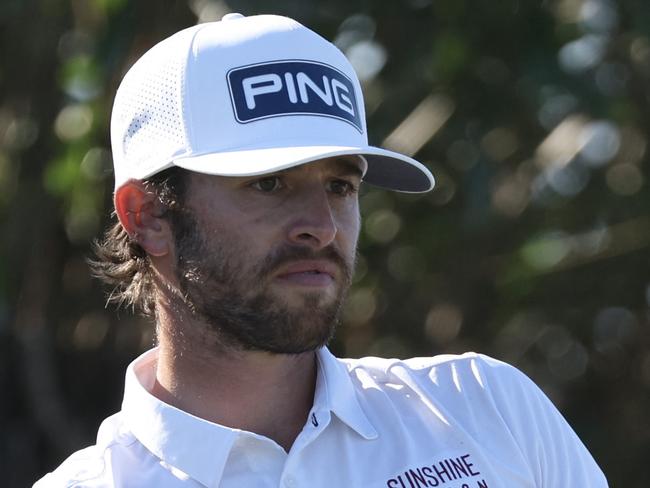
[232,16]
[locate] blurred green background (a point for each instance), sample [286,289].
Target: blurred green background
[533,248]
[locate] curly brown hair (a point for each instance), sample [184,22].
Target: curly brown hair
[121,263]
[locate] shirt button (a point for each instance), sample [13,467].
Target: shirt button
[290,482]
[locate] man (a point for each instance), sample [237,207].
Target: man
[239,147]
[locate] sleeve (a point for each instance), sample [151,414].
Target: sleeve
[554,452]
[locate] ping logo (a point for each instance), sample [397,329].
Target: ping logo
[292,88]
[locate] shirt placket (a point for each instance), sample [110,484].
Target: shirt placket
[292,474]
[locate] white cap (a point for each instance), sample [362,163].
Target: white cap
[247,96]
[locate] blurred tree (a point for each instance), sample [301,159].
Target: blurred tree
[533,247]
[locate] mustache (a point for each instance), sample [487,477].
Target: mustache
[288,253]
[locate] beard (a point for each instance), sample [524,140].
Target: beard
[230,292]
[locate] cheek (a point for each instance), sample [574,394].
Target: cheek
[252,237]
[349,226]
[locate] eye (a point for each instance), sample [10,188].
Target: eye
[342,187]
[268,184]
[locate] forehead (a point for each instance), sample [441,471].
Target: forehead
[348,165]
[352,165]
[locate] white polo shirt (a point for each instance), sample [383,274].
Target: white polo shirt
[449,421]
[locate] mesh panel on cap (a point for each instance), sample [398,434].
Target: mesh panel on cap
[150,123]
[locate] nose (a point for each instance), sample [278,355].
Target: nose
[312,223]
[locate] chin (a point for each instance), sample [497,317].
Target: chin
[308,297]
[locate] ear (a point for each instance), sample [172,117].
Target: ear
[140,213]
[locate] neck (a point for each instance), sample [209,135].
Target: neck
[268,394]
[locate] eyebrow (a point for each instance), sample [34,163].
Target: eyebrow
[347,167]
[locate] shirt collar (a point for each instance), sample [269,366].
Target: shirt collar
[172,434]
[335,391]
[169,433]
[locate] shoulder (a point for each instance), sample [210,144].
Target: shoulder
[90,467]
[84,468]
[458,384]
[421,363]
[442,370]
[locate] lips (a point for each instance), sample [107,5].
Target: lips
[308,272]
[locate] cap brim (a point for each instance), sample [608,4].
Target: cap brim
[386,169]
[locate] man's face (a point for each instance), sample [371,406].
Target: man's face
[266,261]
